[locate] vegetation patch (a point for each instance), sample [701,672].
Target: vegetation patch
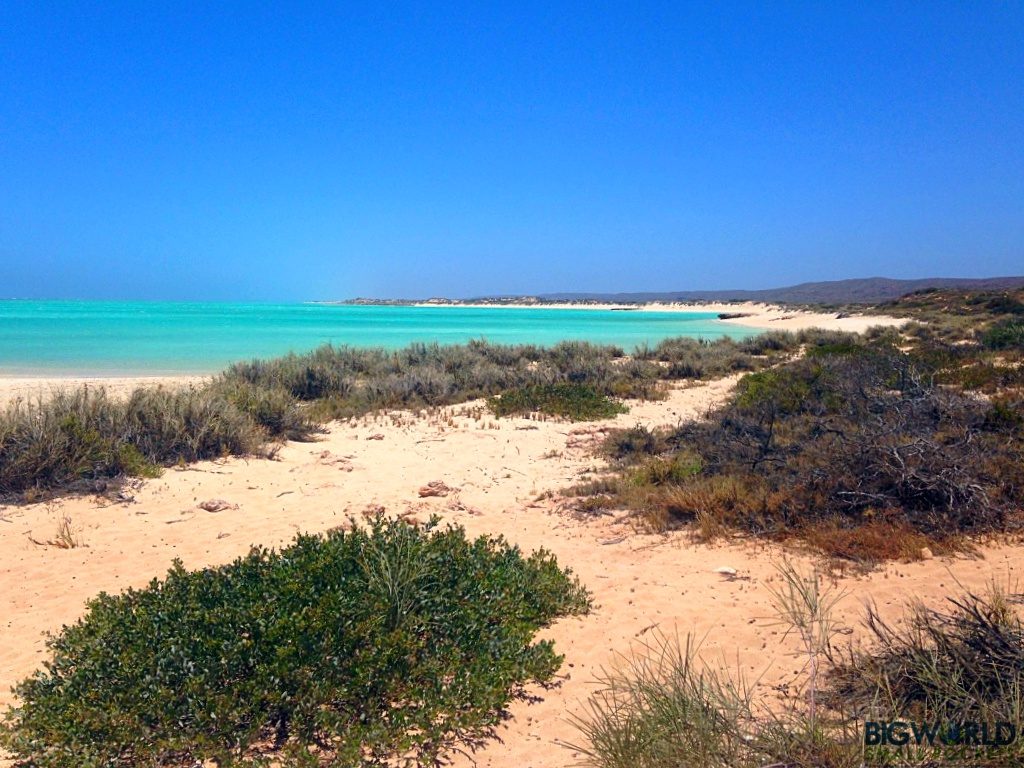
[858,448]
[78,439]
[354,648]
[964,661]
[578,402]
[956,673]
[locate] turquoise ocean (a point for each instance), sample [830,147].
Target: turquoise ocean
[87,338]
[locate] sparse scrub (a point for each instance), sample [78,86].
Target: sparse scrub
[75,440]
[857,447]
[354,648]
[664,707]
[963,663]
[623,444]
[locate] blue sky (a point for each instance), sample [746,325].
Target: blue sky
[308,151]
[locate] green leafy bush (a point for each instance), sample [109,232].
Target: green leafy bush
[578,402]
[349,649]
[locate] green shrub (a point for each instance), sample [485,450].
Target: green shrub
[352,648]
[578,402]
[1005,335]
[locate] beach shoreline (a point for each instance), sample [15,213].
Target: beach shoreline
[32,388]
[754,315]
[749,314]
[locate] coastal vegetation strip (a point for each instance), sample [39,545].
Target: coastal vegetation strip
[84,439]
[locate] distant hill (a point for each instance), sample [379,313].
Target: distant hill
[868,290]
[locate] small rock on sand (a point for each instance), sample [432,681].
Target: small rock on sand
[434,488]
[217,505]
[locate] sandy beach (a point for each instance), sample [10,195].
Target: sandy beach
[506,476]
[754,314]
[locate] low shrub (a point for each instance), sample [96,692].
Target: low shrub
[627,444]
[963,662]
[354,648]
[1005,335]
[578,402]
[858,448]
[960,664]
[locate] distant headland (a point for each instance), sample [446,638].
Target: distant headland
[867,290]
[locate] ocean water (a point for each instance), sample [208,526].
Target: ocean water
[134,338]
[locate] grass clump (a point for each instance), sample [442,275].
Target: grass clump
[354,648]
[578,402]
[666,708]
[961,662]
[943,670]
[78,439]
[662,708]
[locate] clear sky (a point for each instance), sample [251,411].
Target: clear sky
[280,151]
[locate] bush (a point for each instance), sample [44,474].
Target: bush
[964,663]
[848,447]
[578,402]
[627,444]
[356,648]
[1005,335]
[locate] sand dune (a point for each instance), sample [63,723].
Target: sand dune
[642,583]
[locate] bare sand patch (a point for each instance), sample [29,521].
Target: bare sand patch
[36,387]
